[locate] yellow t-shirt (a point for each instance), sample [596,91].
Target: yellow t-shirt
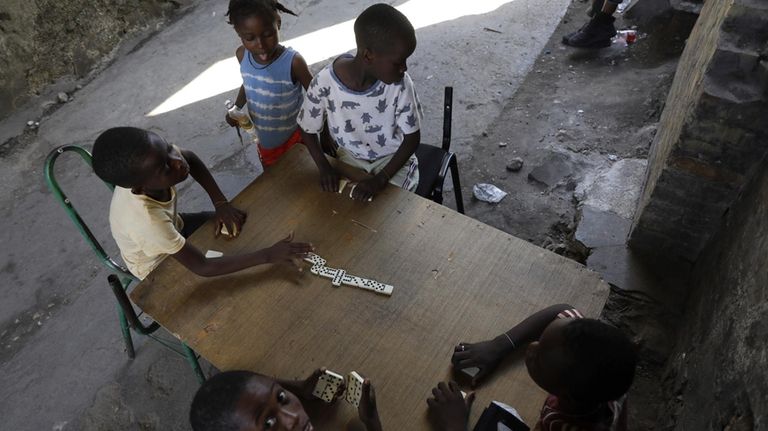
[145,230]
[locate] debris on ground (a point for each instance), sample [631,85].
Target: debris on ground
[62,97]
[515,164]
[488,193]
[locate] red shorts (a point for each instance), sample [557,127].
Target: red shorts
[269,156]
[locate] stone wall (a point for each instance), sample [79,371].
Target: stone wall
[42,40]
[718,375]
[712,133]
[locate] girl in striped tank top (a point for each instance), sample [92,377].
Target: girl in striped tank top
[272,76]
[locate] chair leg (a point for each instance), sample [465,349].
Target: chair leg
[191,357]
[126,334]
[457,185]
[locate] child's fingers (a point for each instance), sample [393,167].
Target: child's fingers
[479,376]
[470,400]
[462,347]
[341,390]
[458,356]
[467,362]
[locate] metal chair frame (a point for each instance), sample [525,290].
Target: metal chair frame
[122,278]
[449,161]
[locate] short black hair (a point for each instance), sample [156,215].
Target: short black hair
[601,361]
[213,408]
[380,25]
[118,154]
[267,10]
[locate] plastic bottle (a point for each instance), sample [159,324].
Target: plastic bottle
[242,118]
[627,36]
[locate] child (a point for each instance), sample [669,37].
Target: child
[145,169]
[245,401]
[586,366]
[273,76]
[371,107]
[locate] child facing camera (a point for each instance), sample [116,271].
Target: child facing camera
[585,365]
[246,401]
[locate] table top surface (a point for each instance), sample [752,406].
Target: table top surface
[455,280]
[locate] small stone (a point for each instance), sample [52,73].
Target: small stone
[36,315]
[62,97]
[30,123]
[502,144]
[80,86]
[515,164]
[613,157]
[485,134]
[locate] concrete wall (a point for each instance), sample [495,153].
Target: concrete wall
[42,40]
[718,375]
[712,132]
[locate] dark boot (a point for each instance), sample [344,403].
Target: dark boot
[597,33]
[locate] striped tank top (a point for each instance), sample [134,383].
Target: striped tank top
[273,99]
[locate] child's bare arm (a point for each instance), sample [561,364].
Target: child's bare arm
[226,214]
[284,251]
[329,178]
[368,188]
[300,71]
[240,100]
[486,355]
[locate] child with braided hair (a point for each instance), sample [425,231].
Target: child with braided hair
[273,76]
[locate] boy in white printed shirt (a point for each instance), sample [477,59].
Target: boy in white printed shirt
[371,107]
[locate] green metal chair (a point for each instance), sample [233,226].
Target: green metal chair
[122,278]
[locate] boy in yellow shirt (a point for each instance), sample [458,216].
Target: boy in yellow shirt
[143,217]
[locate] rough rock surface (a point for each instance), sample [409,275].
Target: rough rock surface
[43,40]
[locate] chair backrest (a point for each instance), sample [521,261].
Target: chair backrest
[447,114]
[53,185]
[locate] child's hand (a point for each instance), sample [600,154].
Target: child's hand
[448,407]
[328,145]
[289,252]
[484,355]
[369,413]
[365,190]
[231,217]
[307,386]
[329,179]
[231,121]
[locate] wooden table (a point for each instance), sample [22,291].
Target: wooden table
[455,278]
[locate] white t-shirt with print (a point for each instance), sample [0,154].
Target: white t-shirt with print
[369,124]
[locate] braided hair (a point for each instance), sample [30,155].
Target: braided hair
[269,10]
